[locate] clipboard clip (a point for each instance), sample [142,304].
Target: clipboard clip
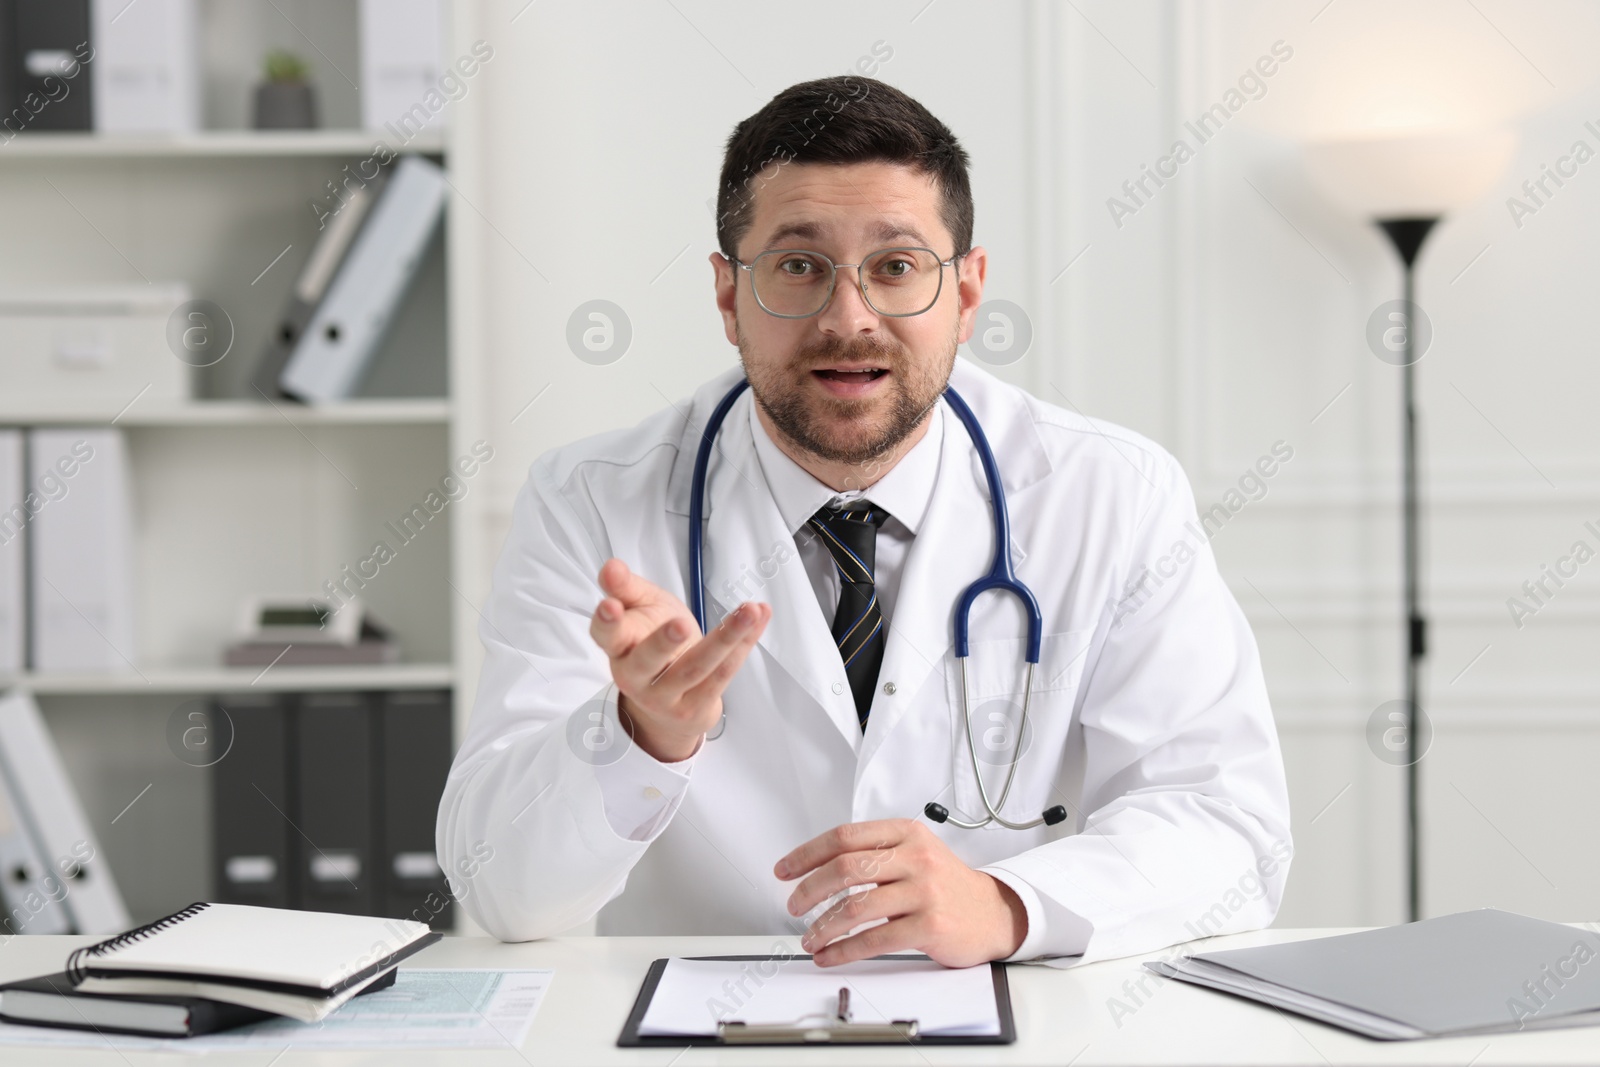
[826,1029]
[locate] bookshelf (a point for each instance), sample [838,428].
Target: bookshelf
[233,496]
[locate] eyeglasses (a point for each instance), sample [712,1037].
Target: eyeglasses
[793,283]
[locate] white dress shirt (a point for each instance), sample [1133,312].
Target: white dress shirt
[903,492]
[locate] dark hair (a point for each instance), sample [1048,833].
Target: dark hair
[845,119]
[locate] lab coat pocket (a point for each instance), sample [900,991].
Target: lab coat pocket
[995,672]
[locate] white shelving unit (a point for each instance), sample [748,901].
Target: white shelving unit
[235,497]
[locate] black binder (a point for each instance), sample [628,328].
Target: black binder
[336,792]
[254,847]
[47,98]
[414,753]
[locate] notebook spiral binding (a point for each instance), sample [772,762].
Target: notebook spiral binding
[77,967]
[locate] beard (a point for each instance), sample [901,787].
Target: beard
[840,429]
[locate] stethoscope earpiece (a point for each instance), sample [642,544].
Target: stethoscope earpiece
[1051,816]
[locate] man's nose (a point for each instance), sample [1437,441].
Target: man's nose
[848,312]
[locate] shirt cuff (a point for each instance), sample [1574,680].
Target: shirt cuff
[639,792]
[1052,929]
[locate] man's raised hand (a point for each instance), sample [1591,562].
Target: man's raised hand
[670,678]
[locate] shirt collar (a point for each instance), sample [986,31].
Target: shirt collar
[904,492]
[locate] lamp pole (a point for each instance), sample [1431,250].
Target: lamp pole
[1407,236]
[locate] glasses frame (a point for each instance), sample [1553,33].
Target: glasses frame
[833,279]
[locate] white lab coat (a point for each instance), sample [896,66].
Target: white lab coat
[1149,719]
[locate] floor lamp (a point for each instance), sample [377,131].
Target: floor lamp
[1405,185]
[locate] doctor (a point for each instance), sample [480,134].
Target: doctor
[771,774]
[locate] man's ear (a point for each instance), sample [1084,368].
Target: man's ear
[971,270]
[727,285]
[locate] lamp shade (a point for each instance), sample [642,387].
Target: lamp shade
[1408,176]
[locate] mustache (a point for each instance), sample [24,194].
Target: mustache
[838,350]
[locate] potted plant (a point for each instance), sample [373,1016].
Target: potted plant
[286,100]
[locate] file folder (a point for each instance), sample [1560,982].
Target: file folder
[336,792]
[81,592]
[68,852]
[347,327]
[43,84]
[415,754]
[30,891]
[254,845]
[14,519]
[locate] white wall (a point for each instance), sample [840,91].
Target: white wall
[1221,318]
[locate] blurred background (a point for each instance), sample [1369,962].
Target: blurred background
[312,283]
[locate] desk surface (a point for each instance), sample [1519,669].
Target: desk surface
[1095,1014]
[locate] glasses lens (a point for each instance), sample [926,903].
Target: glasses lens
[792,283]
[901,281]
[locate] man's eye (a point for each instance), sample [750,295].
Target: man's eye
[797,267]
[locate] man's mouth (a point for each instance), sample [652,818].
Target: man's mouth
[851,375]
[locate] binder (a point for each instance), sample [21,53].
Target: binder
[339,229]
[30,891]
[346,329]
[402,46]
[14,519]
[414,744]
[336,789]
[48,801]
[43,46]
[80,593]
[1473,972]
[254,846]
[146,68]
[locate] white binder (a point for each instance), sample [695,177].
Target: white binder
[14,517]
[146,67]
[402,61]
[353,317]
[66,846]
[81,581]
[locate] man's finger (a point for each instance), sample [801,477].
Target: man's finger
[740,628]
[617,630]
[850,837]
[646,660]
[896,935]
[877,865]
[618,581]
[885,902]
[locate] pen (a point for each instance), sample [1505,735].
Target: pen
[844,1004]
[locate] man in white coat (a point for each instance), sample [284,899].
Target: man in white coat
[770,775]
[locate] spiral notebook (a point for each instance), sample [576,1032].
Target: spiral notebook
[302,964]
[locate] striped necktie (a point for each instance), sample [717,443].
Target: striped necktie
[851,537]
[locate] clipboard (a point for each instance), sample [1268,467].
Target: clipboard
[828,1034]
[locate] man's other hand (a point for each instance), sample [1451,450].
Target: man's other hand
[934,903]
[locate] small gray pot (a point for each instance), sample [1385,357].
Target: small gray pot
[285,106]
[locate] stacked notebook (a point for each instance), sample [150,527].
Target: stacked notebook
[214,966]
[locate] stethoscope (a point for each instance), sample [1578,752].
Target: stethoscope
[1000,577]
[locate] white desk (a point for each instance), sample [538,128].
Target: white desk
[1062,1017]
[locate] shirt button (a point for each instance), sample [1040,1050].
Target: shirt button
[652,793]
[837,688]
[888,689]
